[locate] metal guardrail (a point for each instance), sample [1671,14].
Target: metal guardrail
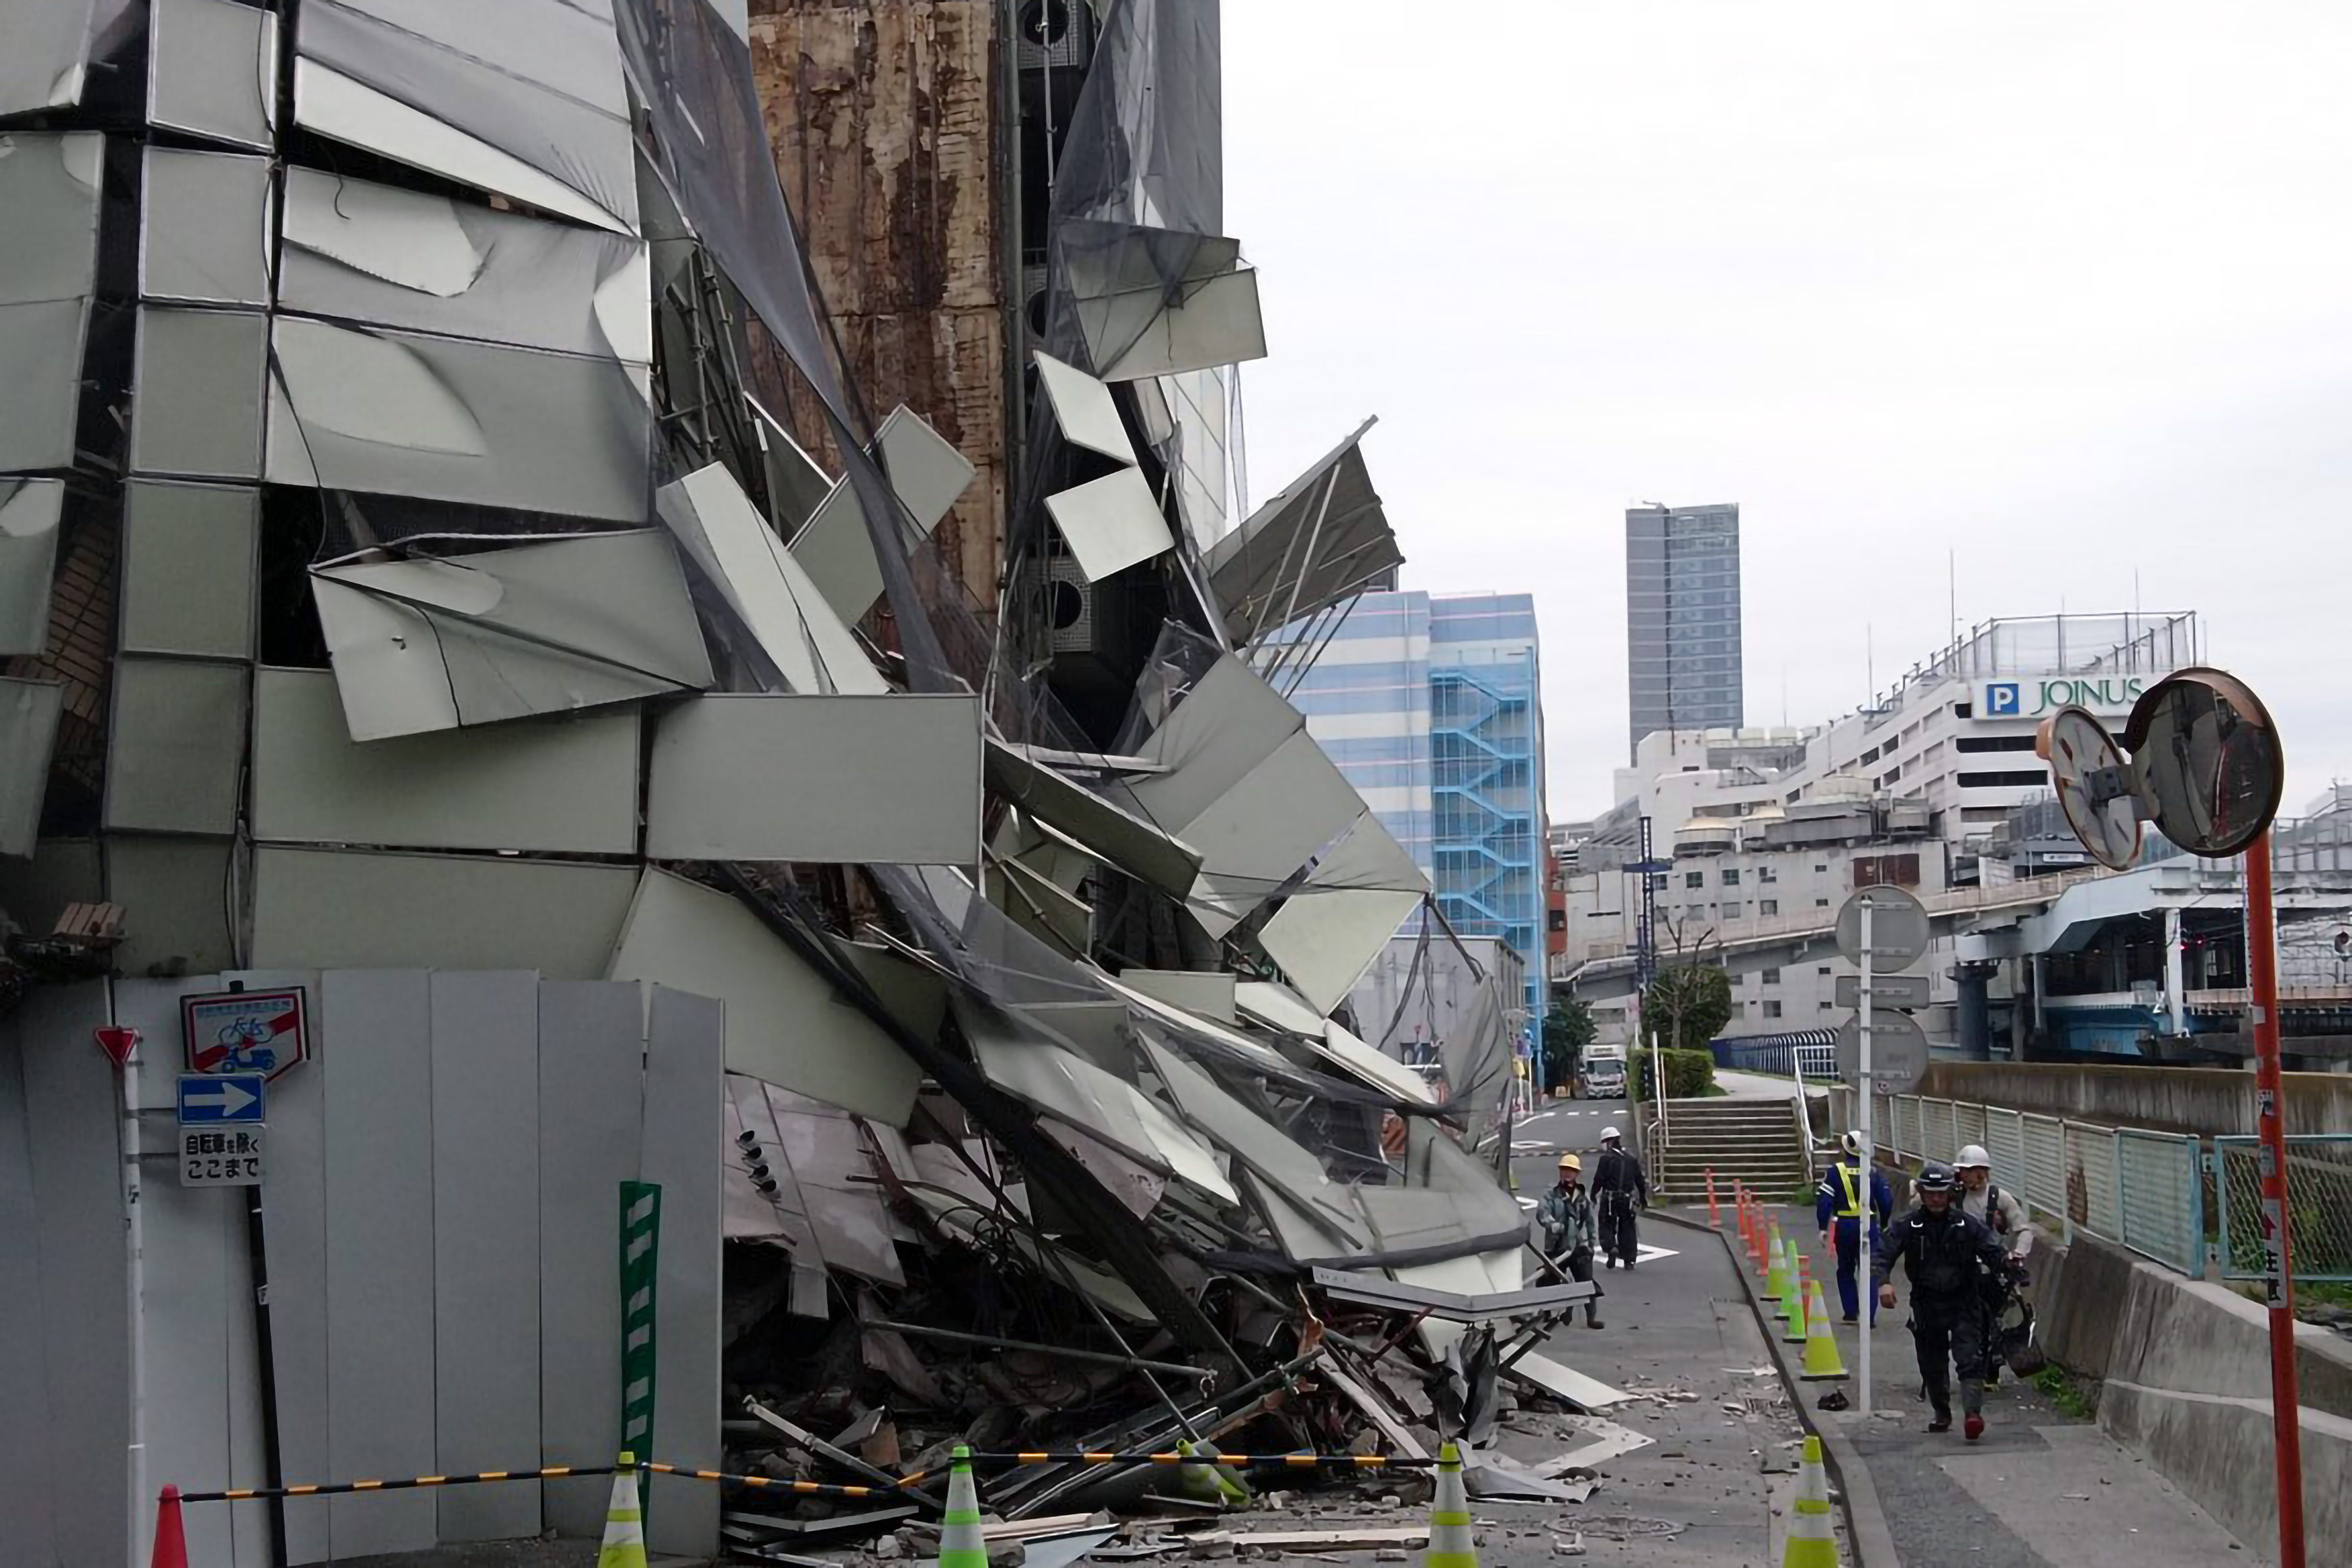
[2139,1189]
[2319,1195]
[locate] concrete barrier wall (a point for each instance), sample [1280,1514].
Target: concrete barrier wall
[2202,1101]
[2186,1369]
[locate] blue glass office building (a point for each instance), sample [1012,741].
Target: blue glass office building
[1433,707]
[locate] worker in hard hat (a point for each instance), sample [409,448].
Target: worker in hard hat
[1565,1212]
[1985,1200]
[1620,1187]
[1838,1209]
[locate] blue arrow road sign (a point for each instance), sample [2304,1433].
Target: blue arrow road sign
[212,1100]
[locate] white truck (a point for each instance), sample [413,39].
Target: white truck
[1604,1075]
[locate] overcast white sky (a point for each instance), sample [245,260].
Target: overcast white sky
[2065,290]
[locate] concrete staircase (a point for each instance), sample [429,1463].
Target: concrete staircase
[1755,1141]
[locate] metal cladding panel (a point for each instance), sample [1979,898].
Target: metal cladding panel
[485,1104]
[190,555]
[49,186]
[1103,826]
[358,251]
[207,222]
[525,99]
[175,896]
[324,908]
[685,1127]
[176,765]
[554,784]
[1083,408]
[785,1025]
[1227,724]
[196,386]
[809,645]
[1290,806]
[29,710]
[821,780]
[1111,524]
[27,1472]
[1280,1160]
[448,419]
[72,1131]
[1327,933]
[379,1294]
[836,548]
[1166,330]
[212,70]
[29,513]
[592,1043]
[553,626]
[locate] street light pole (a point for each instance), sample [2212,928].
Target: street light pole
[2278,1261]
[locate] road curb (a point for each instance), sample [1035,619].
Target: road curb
[1874,1542]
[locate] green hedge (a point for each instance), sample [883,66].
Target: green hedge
[1690,1075]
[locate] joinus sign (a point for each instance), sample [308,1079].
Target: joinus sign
[2039,696]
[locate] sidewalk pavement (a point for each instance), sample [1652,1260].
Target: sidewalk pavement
[1762,1086]
[2043,1488]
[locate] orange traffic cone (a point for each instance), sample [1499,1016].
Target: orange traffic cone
[171,1540]
[1714,1215]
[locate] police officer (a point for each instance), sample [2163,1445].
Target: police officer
[1944,1251]
[1619,1184]
[1837,1209]
[1565,1212]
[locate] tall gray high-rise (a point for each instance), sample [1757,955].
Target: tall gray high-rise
[1682,618]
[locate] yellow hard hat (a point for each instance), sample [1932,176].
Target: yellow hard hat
[1570,1162]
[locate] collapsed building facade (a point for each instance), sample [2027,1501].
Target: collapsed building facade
[763,895]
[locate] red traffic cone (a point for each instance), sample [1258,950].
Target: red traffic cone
[170,1540]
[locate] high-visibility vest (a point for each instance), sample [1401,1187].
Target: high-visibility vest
[1849,1180]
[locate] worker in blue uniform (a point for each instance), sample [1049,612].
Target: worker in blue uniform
[1838,1209]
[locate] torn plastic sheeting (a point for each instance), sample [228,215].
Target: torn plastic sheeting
[1104,828]
[836,548]
[1328,932]
[1169,332]
[525,99]
[212,70]
[1111,524]
[1271,1153]
[565,786]
[832,780]
[30,511]
[1046,911]
[1489,1475]
[1283,1008]
[1477,1059]
[547,627]
[811,648]
[1203,993]
[205,227]
[784,1024]
[360,251]
[1057,1081]
[1435,1162]
[452,420]
[29,712]
[1323,538]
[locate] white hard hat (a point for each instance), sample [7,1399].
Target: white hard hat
[1850,1141]
[1973,1158]
[1608,1132]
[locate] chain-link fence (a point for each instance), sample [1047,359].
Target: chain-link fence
[2143,1190]
[2319,1204]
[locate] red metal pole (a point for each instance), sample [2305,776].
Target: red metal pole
[2278,1257]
